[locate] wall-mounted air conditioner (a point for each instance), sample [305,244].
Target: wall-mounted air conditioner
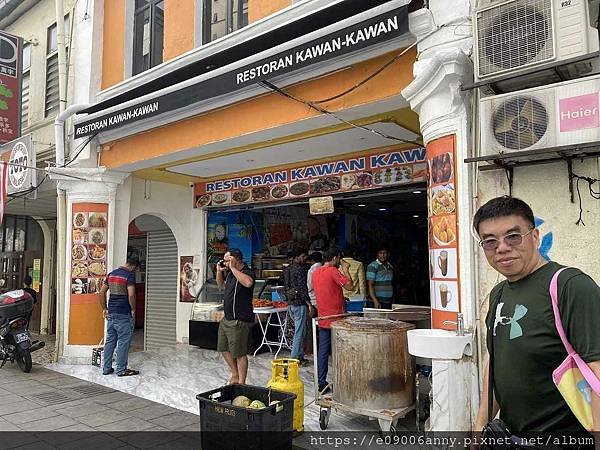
[556,115]
[512,37]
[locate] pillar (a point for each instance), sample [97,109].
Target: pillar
[443,67]
[89,232]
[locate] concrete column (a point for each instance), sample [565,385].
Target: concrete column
[443,67]
[83,185]
[48,268]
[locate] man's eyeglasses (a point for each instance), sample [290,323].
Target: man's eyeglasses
[511,239]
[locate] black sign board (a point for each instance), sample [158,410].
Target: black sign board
[369,32]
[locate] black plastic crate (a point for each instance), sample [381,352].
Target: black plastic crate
[224,426]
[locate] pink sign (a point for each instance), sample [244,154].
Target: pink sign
[577,113]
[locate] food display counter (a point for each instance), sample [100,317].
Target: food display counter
[207,312]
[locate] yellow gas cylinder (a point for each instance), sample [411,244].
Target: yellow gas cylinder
[285,377]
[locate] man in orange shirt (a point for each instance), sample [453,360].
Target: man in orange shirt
[328,282]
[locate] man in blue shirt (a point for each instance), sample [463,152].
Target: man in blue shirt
[120,315]
[380,274]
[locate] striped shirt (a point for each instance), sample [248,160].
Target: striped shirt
[117,282]
[382,275]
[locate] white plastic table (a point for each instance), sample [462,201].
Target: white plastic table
[281,315]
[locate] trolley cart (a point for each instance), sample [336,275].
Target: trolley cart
[387,418]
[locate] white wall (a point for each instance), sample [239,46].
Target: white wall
[546,189]
[173,204]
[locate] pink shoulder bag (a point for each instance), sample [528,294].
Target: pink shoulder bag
[573,378]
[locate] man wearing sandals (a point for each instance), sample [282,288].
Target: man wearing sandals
[120,315]
[526,344]
[235,327]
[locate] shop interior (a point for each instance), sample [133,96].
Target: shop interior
[360,225]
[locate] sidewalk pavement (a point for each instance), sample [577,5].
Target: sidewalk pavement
[44,400]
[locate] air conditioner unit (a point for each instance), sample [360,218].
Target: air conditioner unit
[558,115]
[517,35]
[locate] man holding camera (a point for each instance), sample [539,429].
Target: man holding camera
[234,329]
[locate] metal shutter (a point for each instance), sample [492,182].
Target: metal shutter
[161,290]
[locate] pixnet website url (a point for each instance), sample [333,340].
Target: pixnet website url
[371,440]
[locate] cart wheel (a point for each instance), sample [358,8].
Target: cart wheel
[324,419]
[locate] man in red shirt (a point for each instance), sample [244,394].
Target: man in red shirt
[328,282]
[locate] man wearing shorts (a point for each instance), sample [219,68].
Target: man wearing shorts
[234,329]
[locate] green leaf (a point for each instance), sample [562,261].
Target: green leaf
[3,105]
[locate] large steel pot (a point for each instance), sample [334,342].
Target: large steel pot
[371,363]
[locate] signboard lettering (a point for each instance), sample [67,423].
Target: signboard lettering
[369,32]
[358,172]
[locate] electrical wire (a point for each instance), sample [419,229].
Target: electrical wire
[594,194]
[79,150]
[322,110]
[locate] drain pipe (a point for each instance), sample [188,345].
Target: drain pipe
[61,225]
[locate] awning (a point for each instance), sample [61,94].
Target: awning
[333,33]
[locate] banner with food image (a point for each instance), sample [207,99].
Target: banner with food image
[443,231]
[88,249]
[367,170]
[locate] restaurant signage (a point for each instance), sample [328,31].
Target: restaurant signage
[357,172]
[375,30]
[10,86]
[20,156]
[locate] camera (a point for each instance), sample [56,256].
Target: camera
[221,263]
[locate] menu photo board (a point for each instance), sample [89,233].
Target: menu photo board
[89,248]
[367,170]
[443,231]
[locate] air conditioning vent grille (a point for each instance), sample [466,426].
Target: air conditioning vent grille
[514,34]
[519,123]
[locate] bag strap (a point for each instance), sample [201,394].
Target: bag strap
[490,340]
[588,374]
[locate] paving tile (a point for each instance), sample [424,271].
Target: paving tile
[195,426]
[129,424]
[148,439]
[96,441]
[113,397]
[38,445]
[82,410]
[51,424]
[100,419]
[131,404]
[10,398]
[176,420]
[30,416]
[67,435]
[183,443]
[81,401]
[7,426]
[152,411]
[17,407]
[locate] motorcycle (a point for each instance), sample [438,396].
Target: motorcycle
[15,340]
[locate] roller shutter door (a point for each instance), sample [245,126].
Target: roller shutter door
[161,290]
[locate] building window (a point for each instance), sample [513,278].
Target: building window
[221,17]
[25,86]
[52,100]
[148,29]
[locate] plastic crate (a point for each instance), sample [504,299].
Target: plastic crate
[224,426]
[355,305]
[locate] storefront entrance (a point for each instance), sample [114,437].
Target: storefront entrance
[153,243]
[361,224]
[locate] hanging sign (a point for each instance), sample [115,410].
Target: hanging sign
[11,48]
[321,205]
[20,156]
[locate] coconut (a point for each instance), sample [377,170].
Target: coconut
[241,400]
[257,404]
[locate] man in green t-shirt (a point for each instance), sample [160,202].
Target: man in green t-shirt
[527,347]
